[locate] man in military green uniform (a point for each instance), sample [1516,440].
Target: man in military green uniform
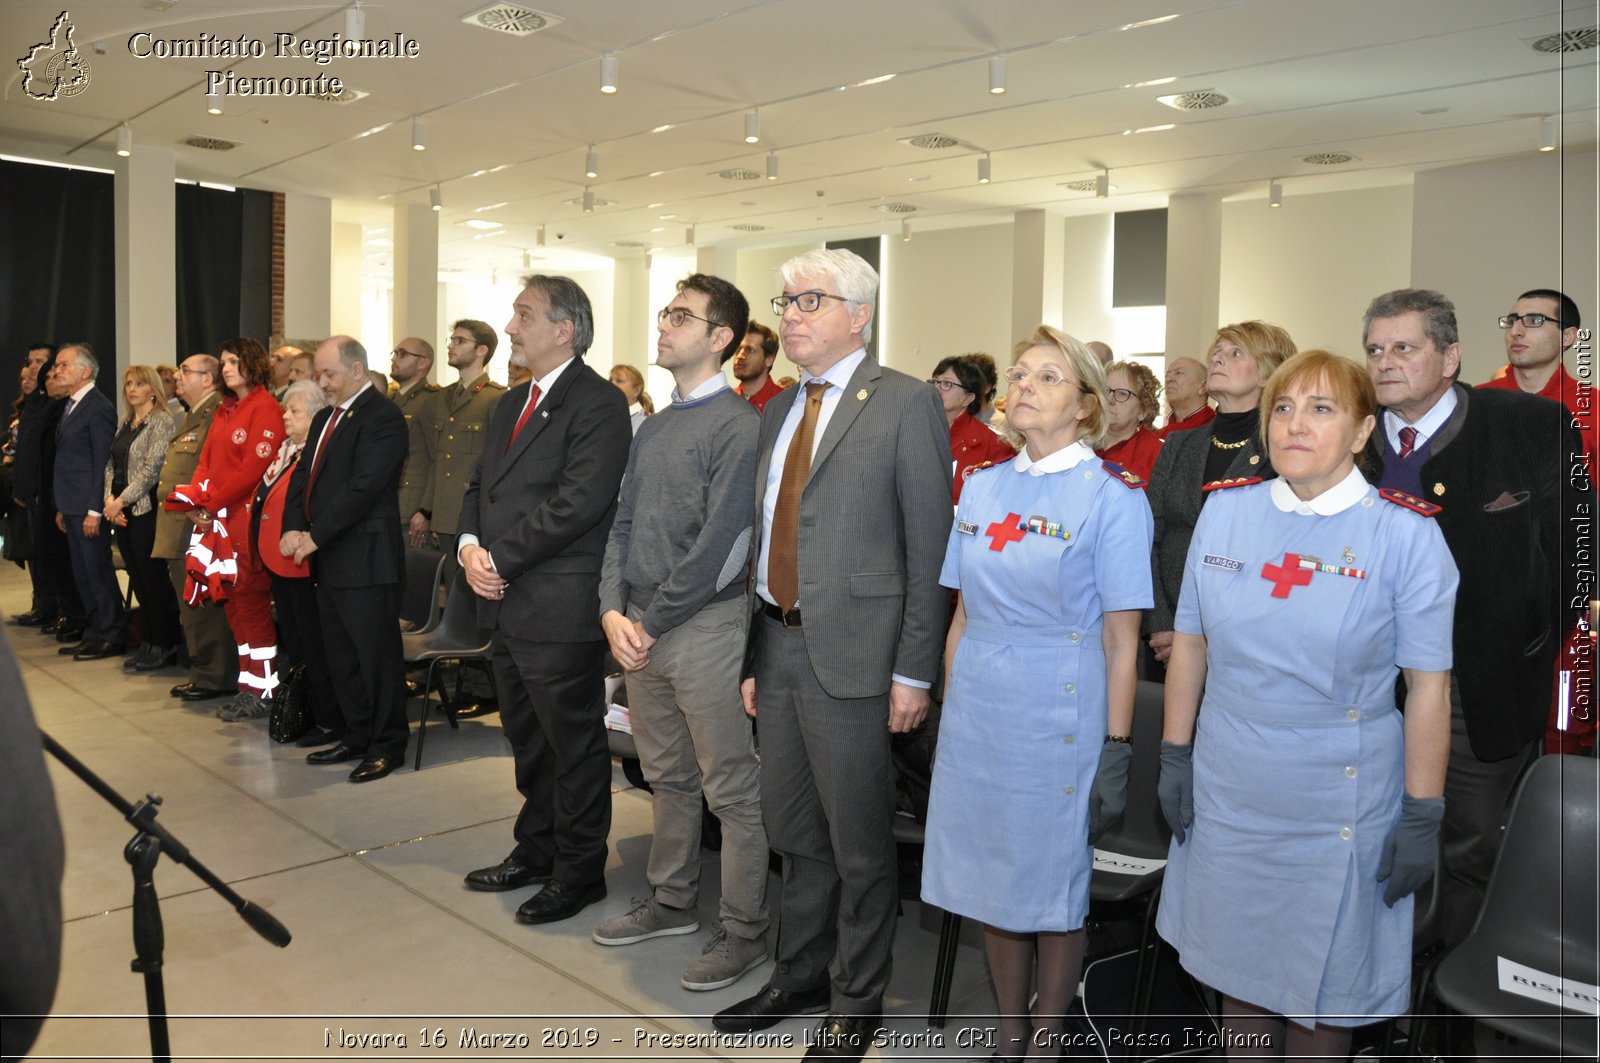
[213,653]
[461,418]
[409,366]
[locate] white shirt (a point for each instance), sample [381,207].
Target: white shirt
[1426,425]
[1336,499]
[332,418]
[1068,457]
[710,386]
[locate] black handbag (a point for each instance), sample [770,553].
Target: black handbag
[291,706]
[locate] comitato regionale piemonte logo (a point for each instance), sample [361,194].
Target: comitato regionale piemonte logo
[55,69]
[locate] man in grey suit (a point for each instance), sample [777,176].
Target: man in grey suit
[852,515]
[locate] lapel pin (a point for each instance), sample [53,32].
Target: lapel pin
[1438,489]
[1349,556]
[1255,459]
[861,396]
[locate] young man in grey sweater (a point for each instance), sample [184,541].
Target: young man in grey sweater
[673,607]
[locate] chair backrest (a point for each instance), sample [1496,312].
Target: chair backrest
[458,627]
[1541,901]
[419,603]
[1143,831]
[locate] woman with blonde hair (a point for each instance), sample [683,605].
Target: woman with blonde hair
[131,476]
[630,382]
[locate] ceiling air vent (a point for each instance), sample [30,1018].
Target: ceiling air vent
[1569,40]
[748,227]
[344,95]
[631,244]
[1328,158]
[1085,185]
[514,19]
[1198,100]
[209,143]
[896,208]
[739,175]
[932,142]
[578,202]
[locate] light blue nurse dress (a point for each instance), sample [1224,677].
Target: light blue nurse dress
[1025,710]
[1299,753]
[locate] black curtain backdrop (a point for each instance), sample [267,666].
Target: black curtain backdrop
[57,266]
[868,248]
[224,266]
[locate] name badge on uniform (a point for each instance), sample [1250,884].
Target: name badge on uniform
[966,527]
[1227,564]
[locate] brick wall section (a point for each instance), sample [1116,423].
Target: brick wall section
[277,269]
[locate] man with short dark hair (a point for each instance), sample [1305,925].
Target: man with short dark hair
[1542,326]
[534,522]
[83,446]
[461,416]
[1486,465]
[409,365]
[55,596]
[752,365]
[673,608]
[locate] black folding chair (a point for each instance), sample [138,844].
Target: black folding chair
[419,604]
[456,637]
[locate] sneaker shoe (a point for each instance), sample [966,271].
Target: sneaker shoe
[648,919]
[724,960]
[244,706]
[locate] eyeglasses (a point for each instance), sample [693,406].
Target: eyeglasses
[1119,395]
[678,315]
[948,385]
[457,341]
[1049,378]
[401,352]
[808,302]
[1530,320]
[186,371]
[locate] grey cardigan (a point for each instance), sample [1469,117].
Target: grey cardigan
[144,462]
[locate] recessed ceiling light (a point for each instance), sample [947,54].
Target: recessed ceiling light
[653,206]
[919,177]
[481,223]
[662,128]
[659,229]
[1154,128]
[491,206]
[879,80]
[1151,83]
[1149,22]
[665,217]
[655,173]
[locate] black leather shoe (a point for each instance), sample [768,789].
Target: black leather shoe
[179,690]
[70,633]
[559,901]
[56,626]
[506,875]
[72,650]
[317,736]
[138,656]
[335,755]
[195,693]
[159,657]
[844,1037]
[770,1007]
[33,618]
[373,768]
[99,651]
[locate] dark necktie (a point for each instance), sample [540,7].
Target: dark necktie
[322,452]
[527,412]
[783,563]
[1408,441]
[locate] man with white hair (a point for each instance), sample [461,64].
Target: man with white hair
[83,446]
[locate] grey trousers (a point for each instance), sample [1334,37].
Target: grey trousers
[827,791]
[693,736]
[213,652]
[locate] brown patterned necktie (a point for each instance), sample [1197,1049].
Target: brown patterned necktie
[783,564]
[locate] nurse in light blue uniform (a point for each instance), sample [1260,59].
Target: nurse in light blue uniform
[1051,554]
[1315,805]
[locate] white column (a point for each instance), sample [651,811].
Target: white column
[1038,245]
[1194,271]
[415,309]
[146,263]
[307,266]
[632,329]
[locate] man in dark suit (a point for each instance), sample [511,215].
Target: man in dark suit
[83,446]
[533,529]
[852,515]
[1495,464]
[343,512]
[56,608]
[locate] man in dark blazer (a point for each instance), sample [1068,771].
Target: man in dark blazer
[83,446]
[56,607]
[534,523]
[343,512]
[1495,465]
[849,622]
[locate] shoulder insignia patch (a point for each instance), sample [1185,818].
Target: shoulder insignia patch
[1411,502]
[1127,476]
[973,470]
[1235,481]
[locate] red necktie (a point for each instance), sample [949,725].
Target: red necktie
[322,452]
[1408,441]
[527,412]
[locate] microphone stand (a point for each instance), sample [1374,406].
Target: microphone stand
[148,845]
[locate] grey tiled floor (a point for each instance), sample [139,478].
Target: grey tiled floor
[368,879]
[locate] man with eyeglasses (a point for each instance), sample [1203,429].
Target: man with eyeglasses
[672,603]
[1542,326]
[1486,464]
[461,416]
[852,514]
[409,365]
[753,365]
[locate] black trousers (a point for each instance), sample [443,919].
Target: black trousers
[96,579]
[552,706]
[50,569]
[361,630]
[148,577]
[300,643]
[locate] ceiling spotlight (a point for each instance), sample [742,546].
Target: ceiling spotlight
[1547,133]
[588,200]
[983,170]
[591,162]
[608,73]
[419,135]
[752,127]
[538,237]
[1275,193]
[688,235]
[997,76]
[213,102]
[527,260]
[355,22]
[1102,184]
[772,166]
[124,140]
[436,198]
[905,230]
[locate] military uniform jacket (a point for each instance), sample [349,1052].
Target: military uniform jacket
[416,479]
[183,457]
[461,419]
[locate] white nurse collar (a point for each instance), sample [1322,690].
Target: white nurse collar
[1069,456]
[1336,499]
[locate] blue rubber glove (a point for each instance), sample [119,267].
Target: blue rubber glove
[1175,789]
[1411,850]
[1109,798]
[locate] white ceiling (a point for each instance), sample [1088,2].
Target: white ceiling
[1403,85]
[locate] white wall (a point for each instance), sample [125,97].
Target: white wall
[1086,280]
[948,292]
[1314,264]
[1485,232]
[758,278]
[345,281]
